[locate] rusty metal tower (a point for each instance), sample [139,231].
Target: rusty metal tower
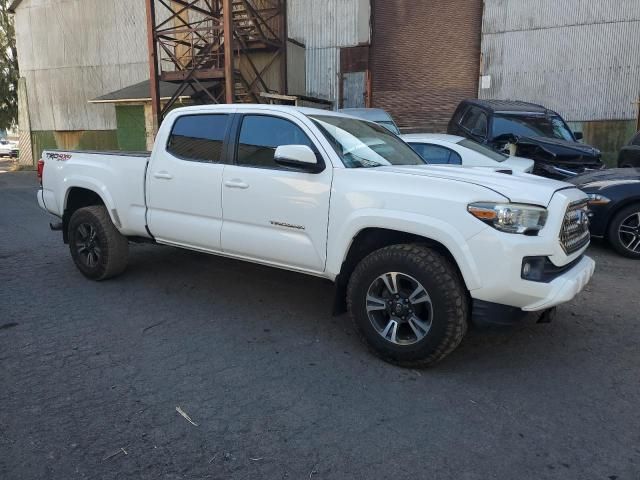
[227,51]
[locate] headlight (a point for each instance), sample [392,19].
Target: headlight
[510,217]
[595,199]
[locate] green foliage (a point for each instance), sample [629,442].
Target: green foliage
[8,68]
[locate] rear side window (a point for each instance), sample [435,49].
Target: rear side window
[436,155]
[198,137]
[636,140]
[260,135]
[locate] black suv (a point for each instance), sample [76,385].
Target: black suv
[526,130]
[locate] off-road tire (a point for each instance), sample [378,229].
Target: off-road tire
[114,247]
[449,298]
[614,225]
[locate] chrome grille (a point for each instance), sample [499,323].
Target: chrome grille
[575,227]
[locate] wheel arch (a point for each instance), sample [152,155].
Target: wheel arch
[616,209]
[370,239]
[77,197]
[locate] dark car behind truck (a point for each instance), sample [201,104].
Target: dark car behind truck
[526,130]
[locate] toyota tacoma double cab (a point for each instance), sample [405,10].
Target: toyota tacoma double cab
[416,251]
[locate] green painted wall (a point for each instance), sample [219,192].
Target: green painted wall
[609,136]
[131,129]
[76,140]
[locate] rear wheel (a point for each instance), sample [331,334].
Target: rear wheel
[409,304]
[97,248]
[624,231]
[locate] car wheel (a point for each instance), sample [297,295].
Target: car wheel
[408,304]
[98,249]
[624,231]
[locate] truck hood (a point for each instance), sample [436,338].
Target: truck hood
[517,187]
[564,150]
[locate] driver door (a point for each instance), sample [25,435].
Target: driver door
[273,214]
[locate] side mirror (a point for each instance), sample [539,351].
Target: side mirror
[578,135]
[298,157]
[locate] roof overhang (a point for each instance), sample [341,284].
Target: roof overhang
[141,93]
[14,5]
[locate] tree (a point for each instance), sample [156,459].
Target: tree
[8,69]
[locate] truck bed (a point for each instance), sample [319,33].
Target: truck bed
[117,176]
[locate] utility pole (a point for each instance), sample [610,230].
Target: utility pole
[153,66]
[229,81]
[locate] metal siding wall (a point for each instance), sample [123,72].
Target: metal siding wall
[71,51]
[324,27]
[577,57]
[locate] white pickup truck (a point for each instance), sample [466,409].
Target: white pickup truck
[417,252]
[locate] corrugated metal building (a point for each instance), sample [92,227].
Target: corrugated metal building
[578,57]
[69,52]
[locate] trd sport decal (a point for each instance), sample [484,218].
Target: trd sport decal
[61,157]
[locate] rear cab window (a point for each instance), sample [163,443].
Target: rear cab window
[199,138]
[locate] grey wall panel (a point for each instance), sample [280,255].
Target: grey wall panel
[577,57]
[71,51]
[329,23]
[324,27]
[323,66]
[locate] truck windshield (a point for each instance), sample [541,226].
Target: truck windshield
[531,126]
[362,144]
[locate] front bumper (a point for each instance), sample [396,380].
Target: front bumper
[498,259]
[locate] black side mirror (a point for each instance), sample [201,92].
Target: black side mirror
[578,135]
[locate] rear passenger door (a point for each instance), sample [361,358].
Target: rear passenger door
[184,182]
[273,214]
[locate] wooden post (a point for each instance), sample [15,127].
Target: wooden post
[153,66]
[229,82]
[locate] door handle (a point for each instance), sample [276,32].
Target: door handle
[163,175]
[236,184]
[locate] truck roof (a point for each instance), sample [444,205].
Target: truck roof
[260,106]
[509,106]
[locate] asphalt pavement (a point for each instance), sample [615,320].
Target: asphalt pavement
[190,366]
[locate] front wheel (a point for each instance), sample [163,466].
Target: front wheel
[624,231]
[98,249]
[409,304]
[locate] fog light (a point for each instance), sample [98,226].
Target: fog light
[533,268]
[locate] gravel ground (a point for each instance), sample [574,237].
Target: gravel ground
[91,375]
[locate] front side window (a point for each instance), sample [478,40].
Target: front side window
[362,144]
[531,126]
[260,135]
[198,137]
[436,154]
[636,140]
[475,121]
